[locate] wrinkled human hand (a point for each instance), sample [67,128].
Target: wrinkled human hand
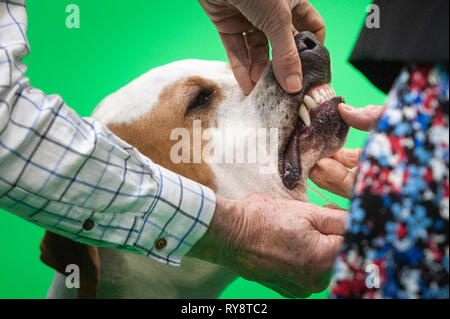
[286,245]
[245,25]
[337,174]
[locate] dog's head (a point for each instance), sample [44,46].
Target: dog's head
[192,118]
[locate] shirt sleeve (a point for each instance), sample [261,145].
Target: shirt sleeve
[72,176]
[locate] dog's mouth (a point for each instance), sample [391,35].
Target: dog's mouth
[311,126]
[318,109]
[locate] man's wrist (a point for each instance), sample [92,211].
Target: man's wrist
[217,243]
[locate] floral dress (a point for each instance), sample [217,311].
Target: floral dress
[396,242]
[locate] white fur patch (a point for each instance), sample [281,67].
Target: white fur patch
[138,97]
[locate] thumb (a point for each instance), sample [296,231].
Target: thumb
[361,118]
[330,221]
[286,60]
[274,18]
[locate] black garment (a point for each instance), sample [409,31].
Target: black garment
[411,31]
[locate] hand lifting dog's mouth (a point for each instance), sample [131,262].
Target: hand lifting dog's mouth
[317,124]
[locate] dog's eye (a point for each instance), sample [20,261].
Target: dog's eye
[201,99]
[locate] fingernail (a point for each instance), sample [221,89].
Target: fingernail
[293,83]
[319,164]
[322,163]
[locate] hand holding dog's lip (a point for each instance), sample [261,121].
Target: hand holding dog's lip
[248,52]
[361,118]
[337,174]
[286,245]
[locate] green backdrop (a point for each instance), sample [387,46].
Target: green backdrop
[119,40]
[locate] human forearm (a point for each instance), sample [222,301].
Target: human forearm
[72,176]
[221,233]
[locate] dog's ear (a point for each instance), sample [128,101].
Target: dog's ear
[57,252]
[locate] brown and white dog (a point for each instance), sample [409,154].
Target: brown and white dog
[146,112]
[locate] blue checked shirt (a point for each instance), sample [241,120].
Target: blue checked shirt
[63,172]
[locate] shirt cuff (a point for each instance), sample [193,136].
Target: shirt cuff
[178,218]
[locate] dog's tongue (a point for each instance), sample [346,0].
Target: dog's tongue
[292,168]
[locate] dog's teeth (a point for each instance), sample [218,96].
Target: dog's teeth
[316,96]
[320,95]
[323,93]
[309,101]
[304,115]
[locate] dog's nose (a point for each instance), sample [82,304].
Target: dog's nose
[315,59]
[306,41]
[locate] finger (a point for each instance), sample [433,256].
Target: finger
[237,54]
[297,290]
[331,249]
[282,291]
[286,60]
[289,290]
[275,20]
[321,179]
[333,206]
[329,221]
[326,250]
[348,157]
[361,118]
[338,175]
[305,17]
[258,52]
[326,181]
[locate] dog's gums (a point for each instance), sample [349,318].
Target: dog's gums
[317,105]
[291,167]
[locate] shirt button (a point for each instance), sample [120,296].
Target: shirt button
[160,243]
[88,224]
